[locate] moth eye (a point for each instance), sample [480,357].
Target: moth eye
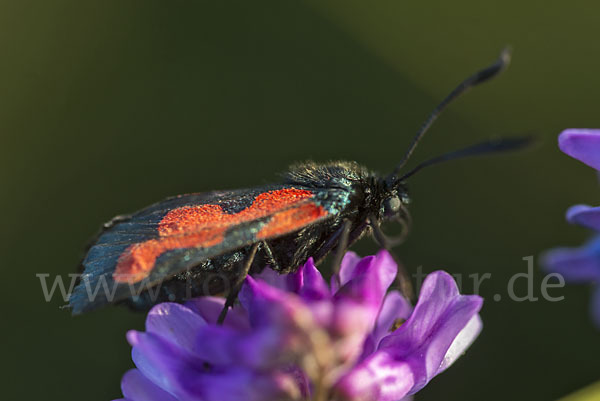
[391,205]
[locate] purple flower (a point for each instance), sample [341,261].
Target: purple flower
[581,144]
[581,264]
[296,337]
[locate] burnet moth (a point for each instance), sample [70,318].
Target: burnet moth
[206,243]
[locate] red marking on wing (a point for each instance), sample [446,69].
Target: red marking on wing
[290,219]
[206,225]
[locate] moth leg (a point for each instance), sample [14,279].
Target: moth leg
[235,289]
[405,221]
[270,256]
[383,241]
[344,232]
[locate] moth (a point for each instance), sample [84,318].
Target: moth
[206,243]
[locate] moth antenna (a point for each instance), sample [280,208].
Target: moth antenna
[487,147]
[475,79]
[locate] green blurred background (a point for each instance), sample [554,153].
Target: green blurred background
[107,106]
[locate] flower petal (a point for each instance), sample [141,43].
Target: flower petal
[584,215]
[426,337]
[188,379]
[379,378]
[394,307]
[287,282]
[218,344]
[166,365]
[370,279]
[314,287]
[255,292]
[268,305]
[358,303]
[263,348]
[174,322]
[349,263]
[465,338]
[300,379]
[581,144]
[136,387]
[243,384]
[578,265]
[209,308]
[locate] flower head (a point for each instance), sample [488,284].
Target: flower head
[580,264]
[296,337]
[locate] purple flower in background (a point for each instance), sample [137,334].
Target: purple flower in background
[295,337]
[581,264]
[582,144]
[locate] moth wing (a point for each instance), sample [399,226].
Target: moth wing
[190,235]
